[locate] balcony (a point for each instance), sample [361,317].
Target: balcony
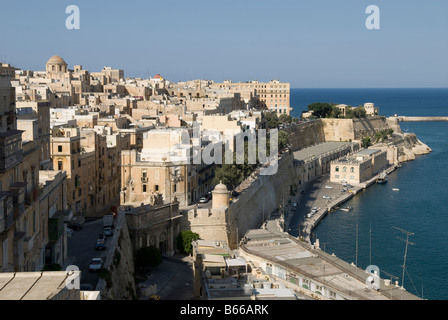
[11,153]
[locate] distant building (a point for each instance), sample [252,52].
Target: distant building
[371,110]
[273,95]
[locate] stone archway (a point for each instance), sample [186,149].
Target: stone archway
[162,243]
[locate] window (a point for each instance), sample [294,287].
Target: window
[144,188]
[156,187]
[344,169]
[60,166]
[337,169]
[59,148]
[352,169]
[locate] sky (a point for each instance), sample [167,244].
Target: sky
[308,43]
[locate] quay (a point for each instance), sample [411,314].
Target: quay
[405,118]
[337,200]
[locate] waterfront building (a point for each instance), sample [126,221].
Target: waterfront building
[359,167]
[314,161]
[313,273]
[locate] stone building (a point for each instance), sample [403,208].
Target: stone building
[359,167]
[164,166]
[19,165]
[273,95]
[154,224]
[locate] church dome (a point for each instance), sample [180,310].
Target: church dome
[56,60]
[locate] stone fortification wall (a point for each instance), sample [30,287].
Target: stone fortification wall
[352,129]
[118,282]
[338,129]
[263,196]
[306,134]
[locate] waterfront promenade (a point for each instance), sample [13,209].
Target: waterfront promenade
[297,222]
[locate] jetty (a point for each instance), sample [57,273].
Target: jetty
[405,118]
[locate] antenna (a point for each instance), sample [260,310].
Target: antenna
[406,249]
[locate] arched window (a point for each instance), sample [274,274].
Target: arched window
[337,169]
[344,169]
[352,169]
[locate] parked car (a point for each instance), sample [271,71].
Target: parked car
[235,193]
[326,197]
[328,187]
[102,236]
[96,264]
[108,231]
[74,226]
[100,244]
[203,200]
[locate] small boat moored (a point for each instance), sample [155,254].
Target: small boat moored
[382,178]
[346,209]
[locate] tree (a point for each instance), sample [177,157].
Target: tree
[270,120]
[319,109]
[366,142]
[285,118]
[283,140]
[147,257]
[184,240]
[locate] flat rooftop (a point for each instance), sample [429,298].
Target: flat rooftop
[302,259]
[32,285]
[320,149]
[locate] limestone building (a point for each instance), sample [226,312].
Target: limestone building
[359,167]
[273,95]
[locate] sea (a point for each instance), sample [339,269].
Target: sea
[403,232]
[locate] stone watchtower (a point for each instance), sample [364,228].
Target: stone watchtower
[220,196]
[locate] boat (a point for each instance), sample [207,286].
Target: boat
[346,209]
[395,189]
[382,178]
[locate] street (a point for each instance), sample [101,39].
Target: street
[81,249]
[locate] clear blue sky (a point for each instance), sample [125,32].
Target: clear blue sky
[309,43]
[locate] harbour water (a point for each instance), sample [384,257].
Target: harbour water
[374,232]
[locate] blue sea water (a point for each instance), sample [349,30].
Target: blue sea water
[373,233]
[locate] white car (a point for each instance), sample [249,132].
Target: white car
[328,187]
[326,197]
[96,264]
[203,200]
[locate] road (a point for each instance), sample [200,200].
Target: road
[313,193]
[81,249]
